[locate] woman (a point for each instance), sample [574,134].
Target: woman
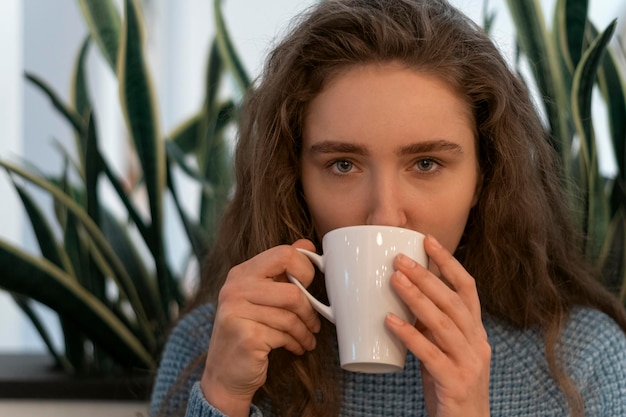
[400,113]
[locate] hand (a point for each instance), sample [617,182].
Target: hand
[448,338]
[258,310]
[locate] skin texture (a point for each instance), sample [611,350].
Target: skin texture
[382,144]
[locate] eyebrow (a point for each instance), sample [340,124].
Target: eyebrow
[329,146]
[430,146]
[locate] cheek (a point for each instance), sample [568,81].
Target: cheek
[330,210]
[317,202]
[446,219]
[328,214]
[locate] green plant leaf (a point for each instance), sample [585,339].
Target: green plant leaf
[195,232]
[596,211]
[187,135]
[46,283]
[489,17]
[48,245]
[216,167]
[79,96]
[571,19]
[214,75]
[176,154]
[70,114]
[536,43]
[227,50]
[99,267]
[582,86]
[104,23]
[139,108]
[122,194]
[118,236]
[24,303]
[73,339]
[92,169]
[612,86]
[613,257]
[120,275]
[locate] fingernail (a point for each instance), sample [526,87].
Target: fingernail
[395,320]
[434,241]
[405,261]
[403,280]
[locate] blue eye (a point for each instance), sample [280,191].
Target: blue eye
[343,166]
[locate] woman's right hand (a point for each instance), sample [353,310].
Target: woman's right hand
[258,310]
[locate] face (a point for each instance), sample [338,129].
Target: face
[387,145]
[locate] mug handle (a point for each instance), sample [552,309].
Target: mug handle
[323,309]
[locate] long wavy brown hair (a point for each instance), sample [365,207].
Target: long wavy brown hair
[519,243]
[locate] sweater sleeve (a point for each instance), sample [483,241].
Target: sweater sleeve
[597,351]
[177,383]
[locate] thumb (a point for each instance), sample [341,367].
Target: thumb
[304,244]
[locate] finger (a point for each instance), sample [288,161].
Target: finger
[286,322]
[304,244]
[445,332]
[438,306]
[424,349]
[249,336]
[289,298]
[269,293]
[446,370]
[454,273]
[275,262]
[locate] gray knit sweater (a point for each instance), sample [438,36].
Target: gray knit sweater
[520,386]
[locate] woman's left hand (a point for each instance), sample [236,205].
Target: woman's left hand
[448,338]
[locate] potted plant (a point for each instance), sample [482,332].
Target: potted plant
[108,277]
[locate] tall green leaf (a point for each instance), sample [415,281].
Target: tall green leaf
[117,234]
[70,114]
[25,304]
[79,97]
[596,213]
[187,135]
[120,274]
[582,87]
[538,46]
[79,94]
[139,108]
[227,49]
[49,285]
[571,19]
[175,154]
[195,232]
[218,171]
[48,245]
[104,23]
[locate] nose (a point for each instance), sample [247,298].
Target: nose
[386,203]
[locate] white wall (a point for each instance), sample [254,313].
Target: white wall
[10,144]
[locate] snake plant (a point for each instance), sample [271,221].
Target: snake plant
[569,62]
[108,277]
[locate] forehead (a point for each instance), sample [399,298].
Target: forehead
[387,99]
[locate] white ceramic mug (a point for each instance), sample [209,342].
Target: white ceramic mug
[357,264]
